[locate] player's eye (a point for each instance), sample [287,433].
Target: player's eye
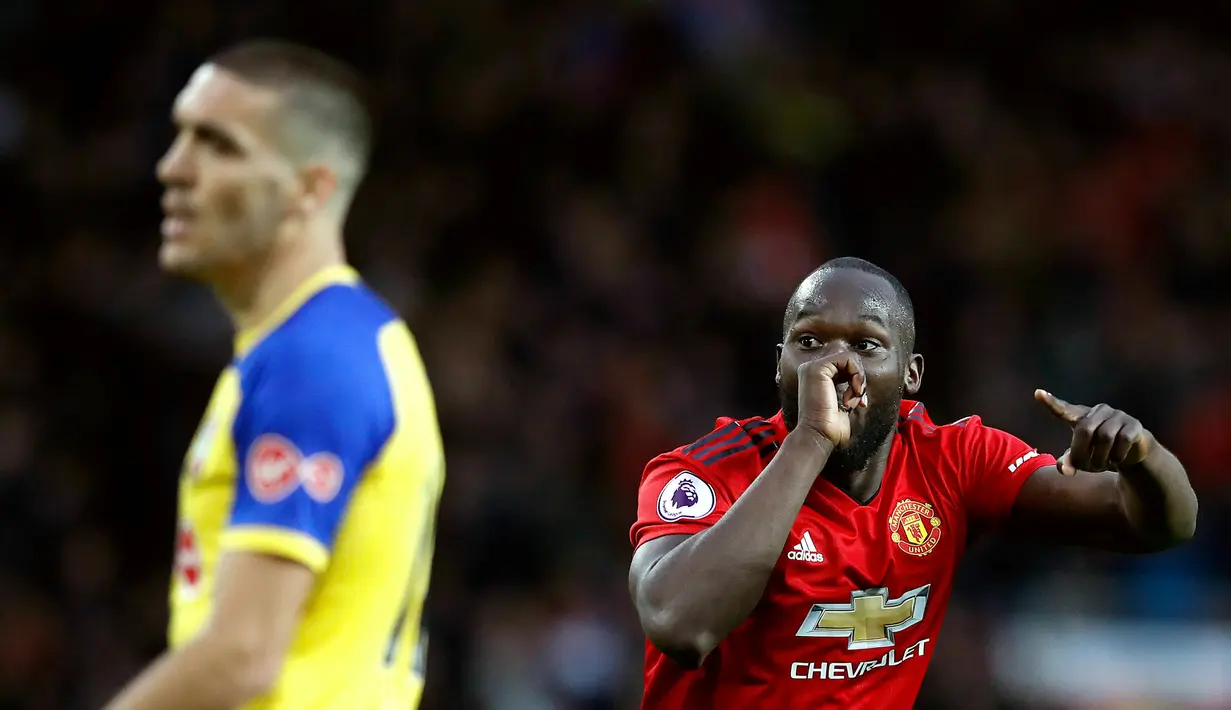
[216,140]
[807,342]
[864,346]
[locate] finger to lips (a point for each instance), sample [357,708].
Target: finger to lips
[851,369]
[844,399]
[850,398]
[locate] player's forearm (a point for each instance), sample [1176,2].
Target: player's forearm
[1158,500]
[700,591]
[204,675]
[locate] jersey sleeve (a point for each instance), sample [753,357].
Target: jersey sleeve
[677,497]
[995,464]
[303,436]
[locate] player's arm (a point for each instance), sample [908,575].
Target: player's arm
[690,591]
[306,430]
[1117,488]
[257,604]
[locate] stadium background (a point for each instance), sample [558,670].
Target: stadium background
[592,215]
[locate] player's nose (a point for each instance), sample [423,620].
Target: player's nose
[835,347]
[175,166]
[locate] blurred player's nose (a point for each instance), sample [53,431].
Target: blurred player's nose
[175,167]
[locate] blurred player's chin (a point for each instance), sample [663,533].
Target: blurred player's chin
[179,258]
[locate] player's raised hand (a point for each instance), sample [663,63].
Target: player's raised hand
[1104,438]
[821,407]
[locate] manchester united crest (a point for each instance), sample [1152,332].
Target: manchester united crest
[915,527]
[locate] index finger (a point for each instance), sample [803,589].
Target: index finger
[1069,412]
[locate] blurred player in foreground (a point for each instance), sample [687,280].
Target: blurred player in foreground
[805,560]
[308,499]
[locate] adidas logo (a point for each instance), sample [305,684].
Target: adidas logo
[805,551]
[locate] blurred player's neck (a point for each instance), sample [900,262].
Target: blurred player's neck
[253,293]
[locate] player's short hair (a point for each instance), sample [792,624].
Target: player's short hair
[325,114]
[905,307]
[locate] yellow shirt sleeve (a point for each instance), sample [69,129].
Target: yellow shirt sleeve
[281,542]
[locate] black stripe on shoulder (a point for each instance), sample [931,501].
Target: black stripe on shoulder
[737,439]
[711,438]
[751,434]
[758,430]
[762,433]
[724,453]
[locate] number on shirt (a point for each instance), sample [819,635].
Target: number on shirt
[418,663]
[427,543]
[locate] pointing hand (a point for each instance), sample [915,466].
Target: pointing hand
[1104,438]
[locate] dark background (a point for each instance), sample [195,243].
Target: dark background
[592,215]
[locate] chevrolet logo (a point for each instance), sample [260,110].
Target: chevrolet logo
[870,619]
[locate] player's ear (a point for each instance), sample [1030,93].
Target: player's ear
[319,185]
[914,373]
[778,373]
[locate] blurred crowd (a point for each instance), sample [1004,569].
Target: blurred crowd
[592,214]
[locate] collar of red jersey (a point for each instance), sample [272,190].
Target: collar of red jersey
[332,275]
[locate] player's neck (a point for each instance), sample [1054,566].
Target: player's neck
[251,296]
[862,484]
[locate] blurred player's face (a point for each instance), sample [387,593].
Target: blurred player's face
[228,189]
[849,311]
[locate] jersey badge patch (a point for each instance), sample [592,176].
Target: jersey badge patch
[322,476]
[685,497]
[273,468]
[276,468]
[915,527]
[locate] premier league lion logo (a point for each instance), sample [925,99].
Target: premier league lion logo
[685,497]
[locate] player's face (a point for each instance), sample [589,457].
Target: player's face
[849,311]
[227,186]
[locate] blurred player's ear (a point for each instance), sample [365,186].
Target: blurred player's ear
[778,374]
[914,373]
[320,184]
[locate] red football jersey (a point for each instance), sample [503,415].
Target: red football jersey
[853,608]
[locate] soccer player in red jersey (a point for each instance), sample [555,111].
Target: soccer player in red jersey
[806,560]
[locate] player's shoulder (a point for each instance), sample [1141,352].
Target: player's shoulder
[915,423]
[330,346]
[340,323]
[734,450]
[348,314]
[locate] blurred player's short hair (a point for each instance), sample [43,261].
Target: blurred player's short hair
[325,114]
